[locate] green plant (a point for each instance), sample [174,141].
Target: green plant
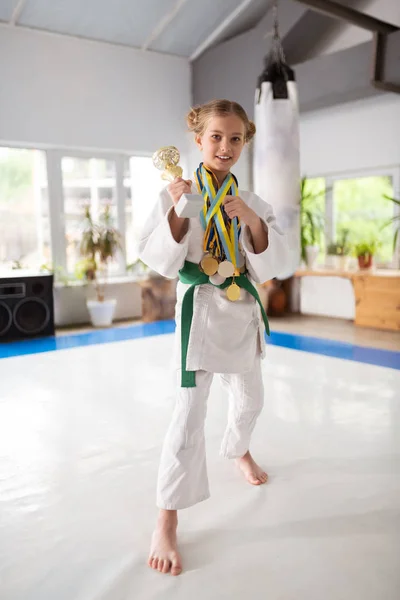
[332,249]
[341,247]
[366,248]
[99,245]
[395,220]
[311,217]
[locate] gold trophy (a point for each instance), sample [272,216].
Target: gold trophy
[166,159]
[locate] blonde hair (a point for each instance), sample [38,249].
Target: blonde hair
[198,117]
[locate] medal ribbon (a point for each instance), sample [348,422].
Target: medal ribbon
[219,230]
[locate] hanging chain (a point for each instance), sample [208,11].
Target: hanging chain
[277,48]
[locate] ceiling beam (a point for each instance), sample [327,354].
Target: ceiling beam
[218,30]
[338,11]
[346,75]
[379,62]
[17,12]
[163,24]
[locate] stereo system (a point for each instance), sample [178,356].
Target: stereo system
[26,307]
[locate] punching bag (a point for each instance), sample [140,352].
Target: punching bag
[276,147]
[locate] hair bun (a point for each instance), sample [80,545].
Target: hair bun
[193,118]
[251,130]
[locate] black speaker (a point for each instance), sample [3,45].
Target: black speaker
[26,307]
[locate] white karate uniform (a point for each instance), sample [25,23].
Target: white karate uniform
[225,337]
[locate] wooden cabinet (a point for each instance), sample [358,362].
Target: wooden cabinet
[377,295]
[377,301]
[158,299]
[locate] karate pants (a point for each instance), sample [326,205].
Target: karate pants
[182,479]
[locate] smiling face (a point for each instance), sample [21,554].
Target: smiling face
[221,143]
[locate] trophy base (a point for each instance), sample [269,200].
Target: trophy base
[189,206]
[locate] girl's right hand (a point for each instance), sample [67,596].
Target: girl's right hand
[178,187]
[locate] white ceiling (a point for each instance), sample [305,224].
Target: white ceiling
[181,27]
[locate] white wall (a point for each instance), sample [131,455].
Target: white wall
[65,92]
[70,302]
[349,36]
[353,136]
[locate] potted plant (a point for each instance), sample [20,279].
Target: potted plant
[365,252]
[99,245]
[339,251]
[311,223]
[331,255]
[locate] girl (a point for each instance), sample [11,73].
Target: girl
[219,318]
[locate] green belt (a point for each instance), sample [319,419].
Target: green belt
[192,275]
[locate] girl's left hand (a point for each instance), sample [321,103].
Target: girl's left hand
[236,207]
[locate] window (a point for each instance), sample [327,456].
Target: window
[142,183]
[24,209]
[313,214]
[360,208]
[86,181]
[353,209]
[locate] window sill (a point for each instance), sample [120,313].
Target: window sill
[120,279]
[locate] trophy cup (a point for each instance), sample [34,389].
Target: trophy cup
[166,159]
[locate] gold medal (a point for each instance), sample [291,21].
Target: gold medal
[209,265]
[233,292]
[226,269]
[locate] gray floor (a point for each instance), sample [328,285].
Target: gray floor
[337,329]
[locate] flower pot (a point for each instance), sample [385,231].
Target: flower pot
[330,261]
[343,262]
[365,261]
[101,313]
[312,256]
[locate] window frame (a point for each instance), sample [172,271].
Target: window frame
[40,148]
[389,171]
[57,217]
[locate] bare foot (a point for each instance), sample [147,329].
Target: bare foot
[164,555]
[250,469]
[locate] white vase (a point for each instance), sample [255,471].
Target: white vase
[312,256]
[101,313]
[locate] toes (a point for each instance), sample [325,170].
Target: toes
[176,568]
[166,567]
[254,480]
[162,566]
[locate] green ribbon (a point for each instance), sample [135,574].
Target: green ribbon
[193,276]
